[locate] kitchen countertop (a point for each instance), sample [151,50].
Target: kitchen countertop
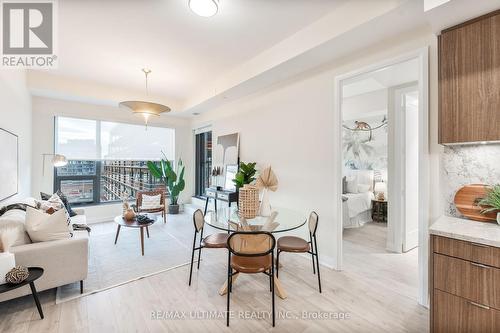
[467,230]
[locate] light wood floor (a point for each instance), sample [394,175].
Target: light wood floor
[365,256]
[371,306]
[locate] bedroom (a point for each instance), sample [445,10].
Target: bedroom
[380,155]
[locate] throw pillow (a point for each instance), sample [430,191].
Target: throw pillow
[53,202]
[352,184]
[65,201]
[42,227]
[151,201]
[363,188]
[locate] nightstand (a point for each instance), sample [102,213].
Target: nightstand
[379,211]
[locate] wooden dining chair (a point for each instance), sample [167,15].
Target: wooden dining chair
[213,241]
[250,253]
[299,245]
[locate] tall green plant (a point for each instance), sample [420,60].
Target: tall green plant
[245,175]
[163,170]
[491,203]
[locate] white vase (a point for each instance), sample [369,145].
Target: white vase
[265,207]
[7,262]
[498,218]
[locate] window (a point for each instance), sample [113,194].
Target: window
[106,159]
[203,161]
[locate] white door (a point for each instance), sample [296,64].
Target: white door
[406,114]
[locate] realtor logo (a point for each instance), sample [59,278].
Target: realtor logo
[28,34]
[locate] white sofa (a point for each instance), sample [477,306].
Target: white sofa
[64,261]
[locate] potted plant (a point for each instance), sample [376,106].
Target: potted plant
[163,170]
[245,175]
[491,203]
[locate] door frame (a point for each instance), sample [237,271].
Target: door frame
[422,55]
[397,169]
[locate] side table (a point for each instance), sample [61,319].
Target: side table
[34,274]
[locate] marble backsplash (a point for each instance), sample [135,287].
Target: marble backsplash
[462,165]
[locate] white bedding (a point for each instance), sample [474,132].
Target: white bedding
[358,202]
[357,209]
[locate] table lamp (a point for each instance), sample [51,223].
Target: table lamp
[379,189]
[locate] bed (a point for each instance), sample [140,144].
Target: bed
[357,198]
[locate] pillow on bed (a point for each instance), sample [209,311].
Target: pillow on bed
[363,188]
[352,184]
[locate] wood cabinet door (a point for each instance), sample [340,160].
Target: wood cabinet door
[469,82]
[453,314]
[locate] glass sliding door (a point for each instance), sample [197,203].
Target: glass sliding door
[203,158]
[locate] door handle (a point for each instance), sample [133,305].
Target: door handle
[479,305]
[480,265]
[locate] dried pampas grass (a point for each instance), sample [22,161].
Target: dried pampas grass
[7,238]
[267,180]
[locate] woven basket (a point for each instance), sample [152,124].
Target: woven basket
[248,202]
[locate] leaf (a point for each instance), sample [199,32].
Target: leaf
[155,170]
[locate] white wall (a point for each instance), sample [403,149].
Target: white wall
[291,126]
[15,116]
[44,111]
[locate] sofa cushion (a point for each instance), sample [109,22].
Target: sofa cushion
[43,227]
[15,219]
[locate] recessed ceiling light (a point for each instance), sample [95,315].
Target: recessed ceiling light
[204,8]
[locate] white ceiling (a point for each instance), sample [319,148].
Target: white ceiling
[389,76]
[109,41]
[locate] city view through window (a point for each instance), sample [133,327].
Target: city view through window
[102,165]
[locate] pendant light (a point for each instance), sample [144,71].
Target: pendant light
[146,109]
[204,8]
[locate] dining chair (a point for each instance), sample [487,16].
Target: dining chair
[161,208]
[213,241]
[250,253]
[299,245]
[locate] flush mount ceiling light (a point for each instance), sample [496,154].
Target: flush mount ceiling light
[146,109]
[205,8]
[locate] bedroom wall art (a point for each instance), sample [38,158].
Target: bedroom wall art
[365,143]
[462,165]
[9,177]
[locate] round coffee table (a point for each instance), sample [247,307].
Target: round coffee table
[134,224]
[34,274]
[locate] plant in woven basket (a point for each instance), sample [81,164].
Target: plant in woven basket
[491,203]
[245,174]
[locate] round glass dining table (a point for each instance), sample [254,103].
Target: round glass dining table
[227,219]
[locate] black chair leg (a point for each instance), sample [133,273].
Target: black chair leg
[312,252]
[81,286]
[272,292]
[192,260]
[277,263]
[229,283]
[199,257]
[270,279]
[317,264]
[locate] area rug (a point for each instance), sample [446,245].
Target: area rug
[112,265]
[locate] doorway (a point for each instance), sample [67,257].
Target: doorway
[398,183]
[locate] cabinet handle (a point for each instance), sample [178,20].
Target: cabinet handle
[479,245]
[479,305]
[479,265]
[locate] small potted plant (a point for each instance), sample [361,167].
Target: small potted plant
[491,203]
[245,174]
[163,170]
